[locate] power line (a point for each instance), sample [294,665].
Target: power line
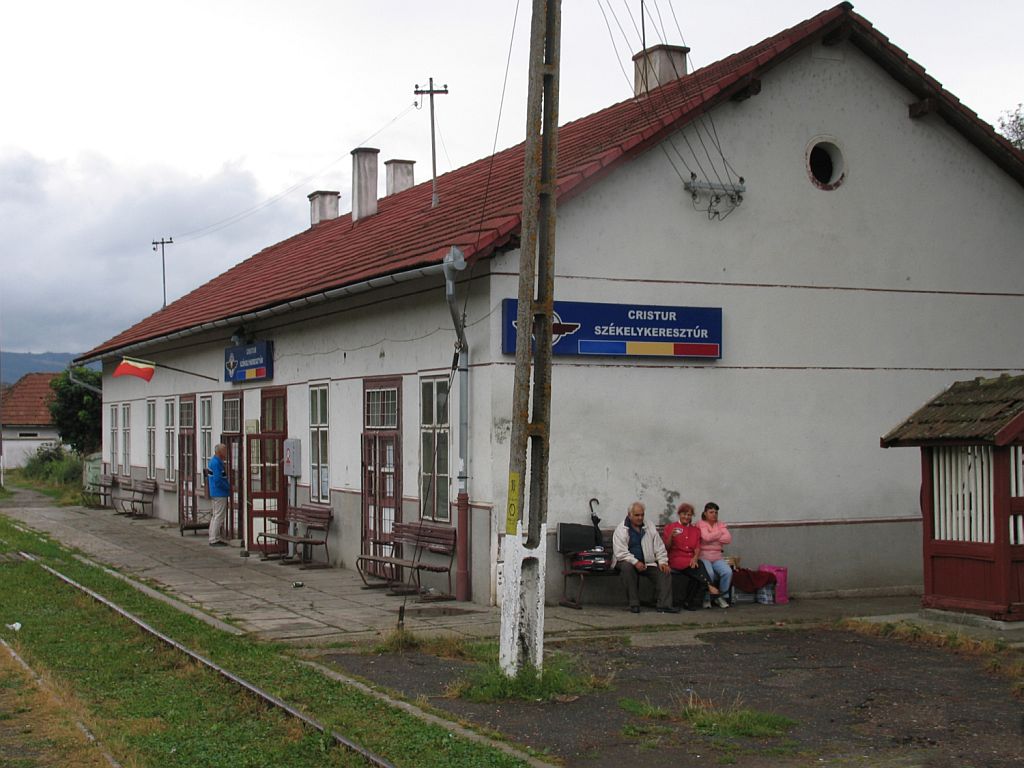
[209,229]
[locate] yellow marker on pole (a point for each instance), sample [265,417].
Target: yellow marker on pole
[512,512]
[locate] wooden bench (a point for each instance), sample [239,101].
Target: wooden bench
[101,493]
[414,540]
[138,502]
[568,573]
[311,526]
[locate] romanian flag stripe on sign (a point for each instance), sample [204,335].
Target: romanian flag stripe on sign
[140,368]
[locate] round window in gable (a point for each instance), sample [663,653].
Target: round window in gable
[825,164]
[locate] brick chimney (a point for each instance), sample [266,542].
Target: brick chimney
[364,182]
[323,206]
[658,65]
[399,175]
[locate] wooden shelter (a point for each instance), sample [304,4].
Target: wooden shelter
[972,495]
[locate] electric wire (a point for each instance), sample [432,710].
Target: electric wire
[209,229]
[252,688]
[490,164]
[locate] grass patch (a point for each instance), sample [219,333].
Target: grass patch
[644,709]
[402,641]
[557,679]
[733,720]
[151,706]
[66,494]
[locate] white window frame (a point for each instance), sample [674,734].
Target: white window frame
[205,436]
[151,439]
[435,440]
[319,444]
[115,437]
[126,439]
[170,438]
[231,415]
[381,408]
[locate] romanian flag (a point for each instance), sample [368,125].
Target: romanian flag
[130,367]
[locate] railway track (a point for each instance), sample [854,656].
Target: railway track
[340,739]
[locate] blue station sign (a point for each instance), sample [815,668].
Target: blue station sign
[630,330]
[249,362]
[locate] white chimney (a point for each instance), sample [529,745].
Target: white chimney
[399,175]
[658,65]
[323,206]
[364,182]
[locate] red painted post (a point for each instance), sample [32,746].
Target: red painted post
[463,588]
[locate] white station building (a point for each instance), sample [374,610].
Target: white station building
[762,266]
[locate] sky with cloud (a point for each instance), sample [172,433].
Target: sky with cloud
[126,121]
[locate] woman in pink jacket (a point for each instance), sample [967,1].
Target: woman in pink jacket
[682,540]
[713,536]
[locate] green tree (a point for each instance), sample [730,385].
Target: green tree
[1011,125]
[78,412]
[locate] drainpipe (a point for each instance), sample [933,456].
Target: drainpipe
[454,261]
[79,382]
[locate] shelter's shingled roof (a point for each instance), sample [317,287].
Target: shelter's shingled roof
[978,412]
[481,203]
[27,403]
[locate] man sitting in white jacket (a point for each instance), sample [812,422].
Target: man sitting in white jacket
[639,551]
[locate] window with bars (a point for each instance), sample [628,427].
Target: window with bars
[126,439]
[170,442]
[231,414]
[114,438]
[962,493]
[319,423]
[382,408]
[205,436]
[151,439]
[434,443]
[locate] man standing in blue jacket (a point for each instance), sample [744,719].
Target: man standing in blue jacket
[220,489]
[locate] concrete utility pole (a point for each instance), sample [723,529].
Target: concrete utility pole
[522,610]
[430,90]
[163,265]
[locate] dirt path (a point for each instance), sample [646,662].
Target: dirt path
[856,701]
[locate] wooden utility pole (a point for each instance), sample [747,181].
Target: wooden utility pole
[430,90]
[524,563]
[163,264]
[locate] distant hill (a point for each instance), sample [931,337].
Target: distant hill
[14,365]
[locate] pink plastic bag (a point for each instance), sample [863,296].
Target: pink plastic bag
[781,581]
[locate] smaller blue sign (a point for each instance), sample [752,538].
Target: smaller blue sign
[249,362]
[628,330]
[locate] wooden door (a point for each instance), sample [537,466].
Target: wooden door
[236,476]
[188,508]
[266,490]
[382,495]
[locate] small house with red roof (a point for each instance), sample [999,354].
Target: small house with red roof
[25,421]
[761,264]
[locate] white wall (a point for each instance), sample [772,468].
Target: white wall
[785,427]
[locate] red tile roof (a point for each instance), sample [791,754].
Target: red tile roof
[27,402]
[481,202]
[977,412]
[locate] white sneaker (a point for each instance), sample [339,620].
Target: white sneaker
[721,602]
[707,602]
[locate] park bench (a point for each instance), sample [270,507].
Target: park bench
[137,500]
[99,494]
[306,526]
[411,542]
[573,538]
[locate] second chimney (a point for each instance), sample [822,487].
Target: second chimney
[364,182]
[658,65]
[399,175]
[323,206]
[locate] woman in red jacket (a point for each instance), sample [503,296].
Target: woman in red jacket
[682,540]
